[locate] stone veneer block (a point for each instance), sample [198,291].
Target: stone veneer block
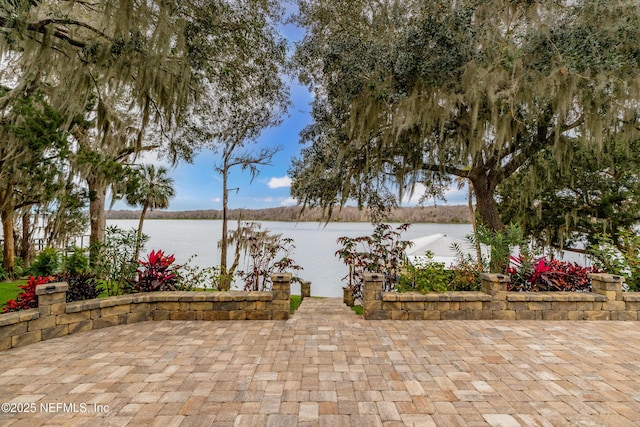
[554,315]
[575,315]
[144,306]
[528,315]
[182,315]
[631,296]
[16,317]
[627,315]
[563,305]
[597,315]
[454,315]
[115,310]
[613,305]
[65,319]
[504,314]
[84,326]
[238,315]
[55,332]
[5,343]
[378,315]
[200,306]
[432,315]
[41,323]
[26,338]
[13,330]
[138,316]
[399,315]
[257,315]
[280,315]
[76,306]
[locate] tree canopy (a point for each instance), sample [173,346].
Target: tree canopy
[420,91]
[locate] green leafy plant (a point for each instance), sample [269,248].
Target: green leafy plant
[115,262]
[27,298]
[425,276]
[191,277]
[76,263]
[46,263]
[502,243]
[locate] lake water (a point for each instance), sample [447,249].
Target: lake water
[315,244]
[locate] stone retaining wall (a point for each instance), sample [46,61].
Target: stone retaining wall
[54,317]
[606,302]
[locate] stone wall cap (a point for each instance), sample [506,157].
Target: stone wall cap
[373,277]
[606,277]
[281,277]
[495,277]
[435,296]
[14,317]
[52,288]
[554,296]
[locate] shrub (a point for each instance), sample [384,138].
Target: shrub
[46,263]
[465,276]
[541,274]
[27,298]
[427,276]
[381,252]
[619,255]
[76,263]
[115,262]
[82,286]
[190,277]
[157,273]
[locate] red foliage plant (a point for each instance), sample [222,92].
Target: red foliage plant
[542,274]
[157,273]
[27,298]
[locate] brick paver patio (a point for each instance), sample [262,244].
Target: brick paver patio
[328,367]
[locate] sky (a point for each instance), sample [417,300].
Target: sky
[198,185]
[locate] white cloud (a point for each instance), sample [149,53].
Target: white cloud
[283,182]
[216,200]
[289,201]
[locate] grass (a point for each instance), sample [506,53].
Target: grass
[10,290]
[357,309]
[296,300]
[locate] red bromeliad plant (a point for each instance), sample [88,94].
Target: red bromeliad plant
[27,298]
[542,274]
[157,273]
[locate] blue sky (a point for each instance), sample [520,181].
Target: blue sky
[199,186]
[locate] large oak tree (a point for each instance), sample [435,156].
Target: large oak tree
[420,91]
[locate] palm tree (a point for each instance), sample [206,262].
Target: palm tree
[152,190]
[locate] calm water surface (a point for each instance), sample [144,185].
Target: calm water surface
[315,244]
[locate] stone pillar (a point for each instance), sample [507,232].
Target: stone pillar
[281,289]
[305,290]
[495,285]
[609,285]
[372,305]
[52,298]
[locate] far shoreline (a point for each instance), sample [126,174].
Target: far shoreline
[454,214]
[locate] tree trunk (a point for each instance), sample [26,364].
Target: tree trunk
[25,243]
[97,216]
[8,249]
[472,214]
[484,187]
[139,233]
[225,279]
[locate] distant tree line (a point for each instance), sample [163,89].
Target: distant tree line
[419,214]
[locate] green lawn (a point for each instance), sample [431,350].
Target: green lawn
[357,309]
[296,300]
[10,290]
